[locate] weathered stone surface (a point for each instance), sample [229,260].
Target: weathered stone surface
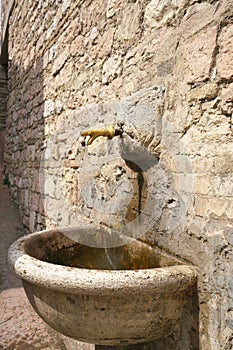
[197,17]
[205,92]
[113,6]
[130,22]
[82,64]
[73,294]
[197,55]
[111,68]
[104,45]
[226,102]
[159,13]
[60,61]
[3,97]
[225,56]
[77,47]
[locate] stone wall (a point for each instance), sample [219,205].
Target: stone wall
[163,70]
[3,108]
[3,97]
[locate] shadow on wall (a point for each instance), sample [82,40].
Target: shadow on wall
[21,148]
[25,141]
[3,106]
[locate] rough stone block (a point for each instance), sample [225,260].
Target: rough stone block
[77,47]
[111,68]
[32,221]
[60,61]
[205,92]
[226,103]
[36,183]
[197,17]
[159,12]
[225,56]
[201,184]
[48,107]
[197,54]
[130,22]
[113,6]
[104,45]
[35,201]
[65,5]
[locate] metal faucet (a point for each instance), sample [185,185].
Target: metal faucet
[108,132]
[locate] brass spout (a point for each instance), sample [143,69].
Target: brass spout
[108,132]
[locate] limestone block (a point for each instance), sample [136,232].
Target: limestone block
[58,106]
[35,202]
[216,240]
[160,12]
[94,89]
[130,22]
[197,55]
[104,44]
[217,205]
[196,18]
[225,56]
[223,164]
[52,52]
[21,197]
[77,47]
[91,37]
[205,92]
[26,198]
[200,210]
[181,164]
[31,153]
[229,212]
[35,186]
[166,67]
[113,6]
[65,5]
[32,219]
[49,186]
[133,78]
[201,184]
[183,183]
[52,28]
[22,183]
[48,107]
[226,103]
[60,61]
[111,68]
[222,185]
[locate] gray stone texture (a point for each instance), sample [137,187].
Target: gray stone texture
[3,97]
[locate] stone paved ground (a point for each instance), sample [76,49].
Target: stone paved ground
[20,327]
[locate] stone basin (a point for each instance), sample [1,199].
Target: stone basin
[116,296]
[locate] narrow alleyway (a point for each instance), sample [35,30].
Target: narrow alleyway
[20,327]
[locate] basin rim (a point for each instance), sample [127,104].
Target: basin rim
[93,281]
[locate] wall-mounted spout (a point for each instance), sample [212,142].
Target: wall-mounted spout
[108,132]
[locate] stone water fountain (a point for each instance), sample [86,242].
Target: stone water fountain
[111,295]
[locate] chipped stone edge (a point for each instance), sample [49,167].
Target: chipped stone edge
[78,280]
